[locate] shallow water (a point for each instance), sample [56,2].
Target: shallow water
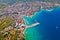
[46,30]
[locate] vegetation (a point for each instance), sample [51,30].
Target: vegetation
[10,34]
[5,22]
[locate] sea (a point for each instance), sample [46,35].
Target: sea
[49,27]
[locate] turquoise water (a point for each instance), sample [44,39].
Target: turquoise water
[46,30]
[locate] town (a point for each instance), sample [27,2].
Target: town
[12,25]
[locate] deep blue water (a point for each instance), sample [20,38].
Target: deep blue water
[46,30]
